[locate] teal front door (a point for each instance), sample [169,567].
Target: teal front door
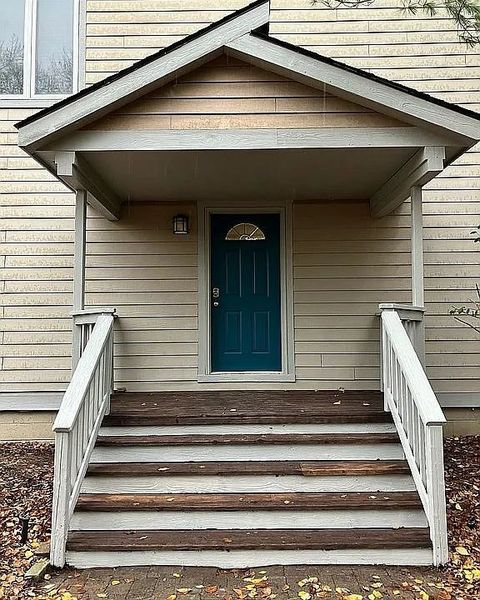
[245,292]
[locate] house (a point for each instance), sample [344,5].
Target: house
[251,231]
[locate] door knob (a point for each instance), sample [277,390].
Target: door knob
[216,292]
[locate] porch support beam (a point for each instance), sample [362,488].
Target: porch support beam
[423,166]
[418,287]
[79,268]
[245,139]
[73,170]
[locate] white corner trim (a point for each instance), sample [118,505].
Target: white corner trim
[287,374]
[358,88]
[30,401]
[136,83]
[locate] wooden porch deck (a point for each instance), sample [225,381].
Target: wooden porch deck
[217,407]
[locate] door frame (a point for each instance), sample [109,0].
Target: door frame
[205,374]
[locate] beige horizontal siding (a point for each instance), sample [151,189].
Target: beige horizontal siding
[229,94]
[424,53]
[36,257]
[130,30]
[342,269]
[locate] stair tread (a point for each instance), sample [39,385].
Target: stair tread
[249,501]
[234,406]
[289,467]
[248,439]
[228,539]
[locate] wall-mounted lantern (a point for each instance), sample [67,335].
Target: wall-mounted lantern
[180,225]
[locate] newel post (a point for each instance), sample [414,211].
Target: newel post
[418,287]
[61,498]
[435,485]
[79,271]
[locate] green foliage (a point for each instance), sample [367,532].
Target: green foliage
[464,13]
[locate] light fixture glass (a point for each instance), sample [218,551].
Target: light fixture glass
[180,225]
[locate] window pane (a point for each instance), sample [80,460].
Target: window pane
[54,58]
[12,16]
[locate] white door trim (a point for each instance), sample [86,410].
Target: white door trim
[205,373]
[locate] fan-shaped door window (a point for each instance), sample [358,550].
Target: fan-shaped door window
[245,232]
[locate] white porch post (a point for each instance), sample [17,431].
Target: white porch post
[79,270]
[418,290]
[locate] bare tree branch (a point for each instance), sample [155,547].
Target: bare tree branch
[464,13]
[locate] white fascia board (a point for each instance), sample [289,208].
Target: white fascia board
[140,81]
[357,88]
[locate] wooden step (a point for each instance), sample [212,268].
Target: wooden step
[238,502]
[253,539]
[248,439]
[307,468]
[273,406]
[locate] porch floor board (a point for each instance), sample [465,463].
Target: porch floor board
[240,406]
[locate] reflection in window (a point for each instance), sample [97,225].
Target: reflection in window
[245,232]
[12,19]
[53,60]
[46,65]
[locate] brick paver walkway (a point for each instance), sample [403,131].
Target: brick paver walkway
[269,583]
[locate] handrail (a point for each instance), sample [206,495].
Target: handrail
[85,403]
[419,422]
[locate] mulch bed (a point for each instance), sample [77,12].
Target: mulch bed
[26,472]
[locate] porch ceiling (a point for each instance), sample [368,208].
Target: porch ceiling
[301,174]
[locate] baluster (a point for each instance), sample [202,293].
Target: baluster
[102,374]
[423,454]
[408,413]
[78,453]
[390,371]
[396,381]
[416,438]
[401,398]
[73,458]
[86,421]
[81,428]
[96,390]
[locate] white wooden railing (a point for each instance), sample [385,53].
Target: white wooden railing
[81,412]
[419,421]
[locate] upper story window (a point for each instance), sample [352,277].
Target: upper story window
[37,48]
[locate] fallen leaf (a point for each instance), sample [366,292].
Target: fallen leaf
[461,550]
[184,590]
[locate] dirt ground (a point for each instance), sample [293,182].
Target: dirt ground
[25,493]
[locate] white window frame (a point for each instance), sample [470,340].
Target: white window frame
[28,97]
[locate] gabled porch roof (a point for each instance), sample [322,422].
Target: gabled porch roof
[431,134]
